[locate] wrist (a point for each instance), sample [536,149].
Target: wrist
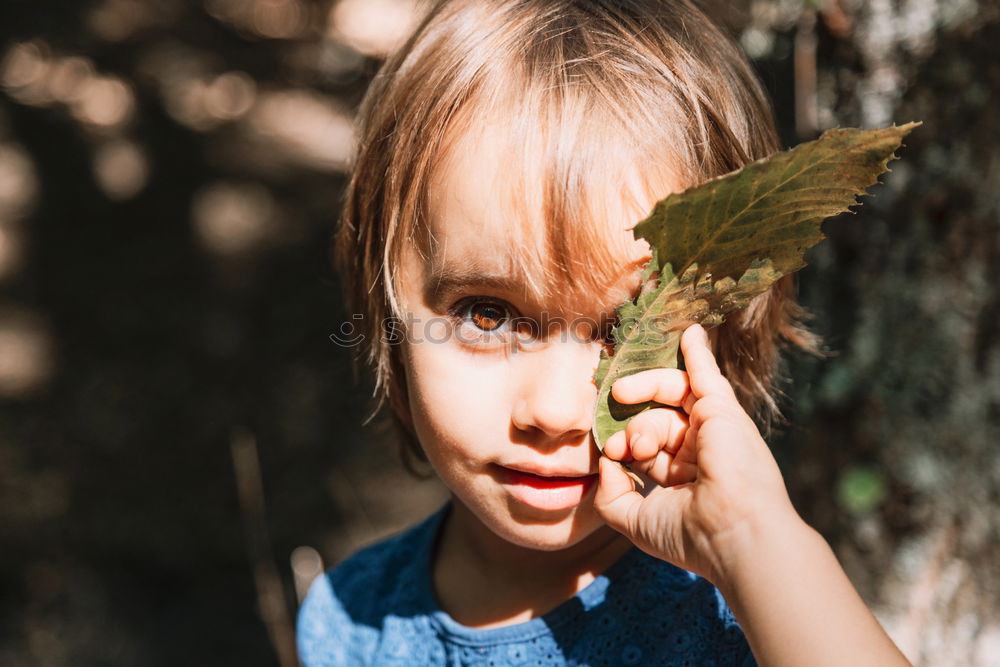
[758,541]
[796,605]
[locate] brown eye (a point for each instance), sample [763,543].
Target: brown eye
[487,316]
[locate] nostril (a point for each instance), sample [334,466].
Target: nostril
[553,413]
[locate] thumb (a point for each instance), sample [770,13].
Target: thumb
[616,499]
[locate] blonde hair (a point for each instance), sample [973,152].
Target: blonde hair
[591,89]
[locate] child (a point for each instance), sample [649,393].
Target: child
[505,152]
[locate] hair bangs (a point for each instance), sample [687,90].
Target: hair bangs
[582,173]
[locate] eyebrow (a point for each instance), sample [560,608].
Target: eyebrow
[445,280]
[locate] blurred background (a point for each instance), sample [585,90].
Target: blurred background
[181,444]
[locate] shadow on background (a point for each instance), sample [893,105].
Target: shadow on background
[181,445]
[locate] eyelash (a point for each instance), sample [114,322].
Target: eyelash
[460,316]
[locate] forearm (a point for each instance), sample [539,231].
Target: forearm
[796,604]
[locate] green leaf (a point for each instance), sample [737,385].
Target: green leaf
[718,245]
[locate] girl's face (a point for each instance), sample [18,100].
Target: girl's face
[501,390]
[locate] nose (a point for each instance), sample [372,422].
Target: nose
[556,392]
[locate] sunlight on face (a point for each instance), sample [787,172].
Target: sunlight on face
[500,385]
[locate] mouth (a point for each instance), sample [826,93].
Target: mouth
[546,492]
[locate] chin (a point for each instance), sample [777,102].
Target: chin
[549,534]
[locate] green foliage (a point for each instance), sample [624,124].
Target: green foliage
[718,245]
[861,489]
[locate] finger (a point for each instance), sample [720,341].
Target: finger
[616,499]
[668,386]
[681,472]
[653,430]
[616,446]
[716,406]
[683,466]
[703,370]
[657,468]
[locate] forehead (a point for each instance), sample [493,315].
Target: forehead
[552,219]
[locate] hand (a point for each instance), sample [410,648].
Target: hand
[714,473]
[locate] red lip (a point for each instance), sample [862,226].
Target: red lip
[545,481]
[546,493]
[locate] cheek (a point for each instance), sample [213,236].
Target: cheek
[456,397]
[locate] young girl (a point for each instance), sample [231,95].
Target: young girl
[506,150]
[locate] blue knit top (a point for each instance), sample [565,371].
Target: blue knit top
[378,608]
